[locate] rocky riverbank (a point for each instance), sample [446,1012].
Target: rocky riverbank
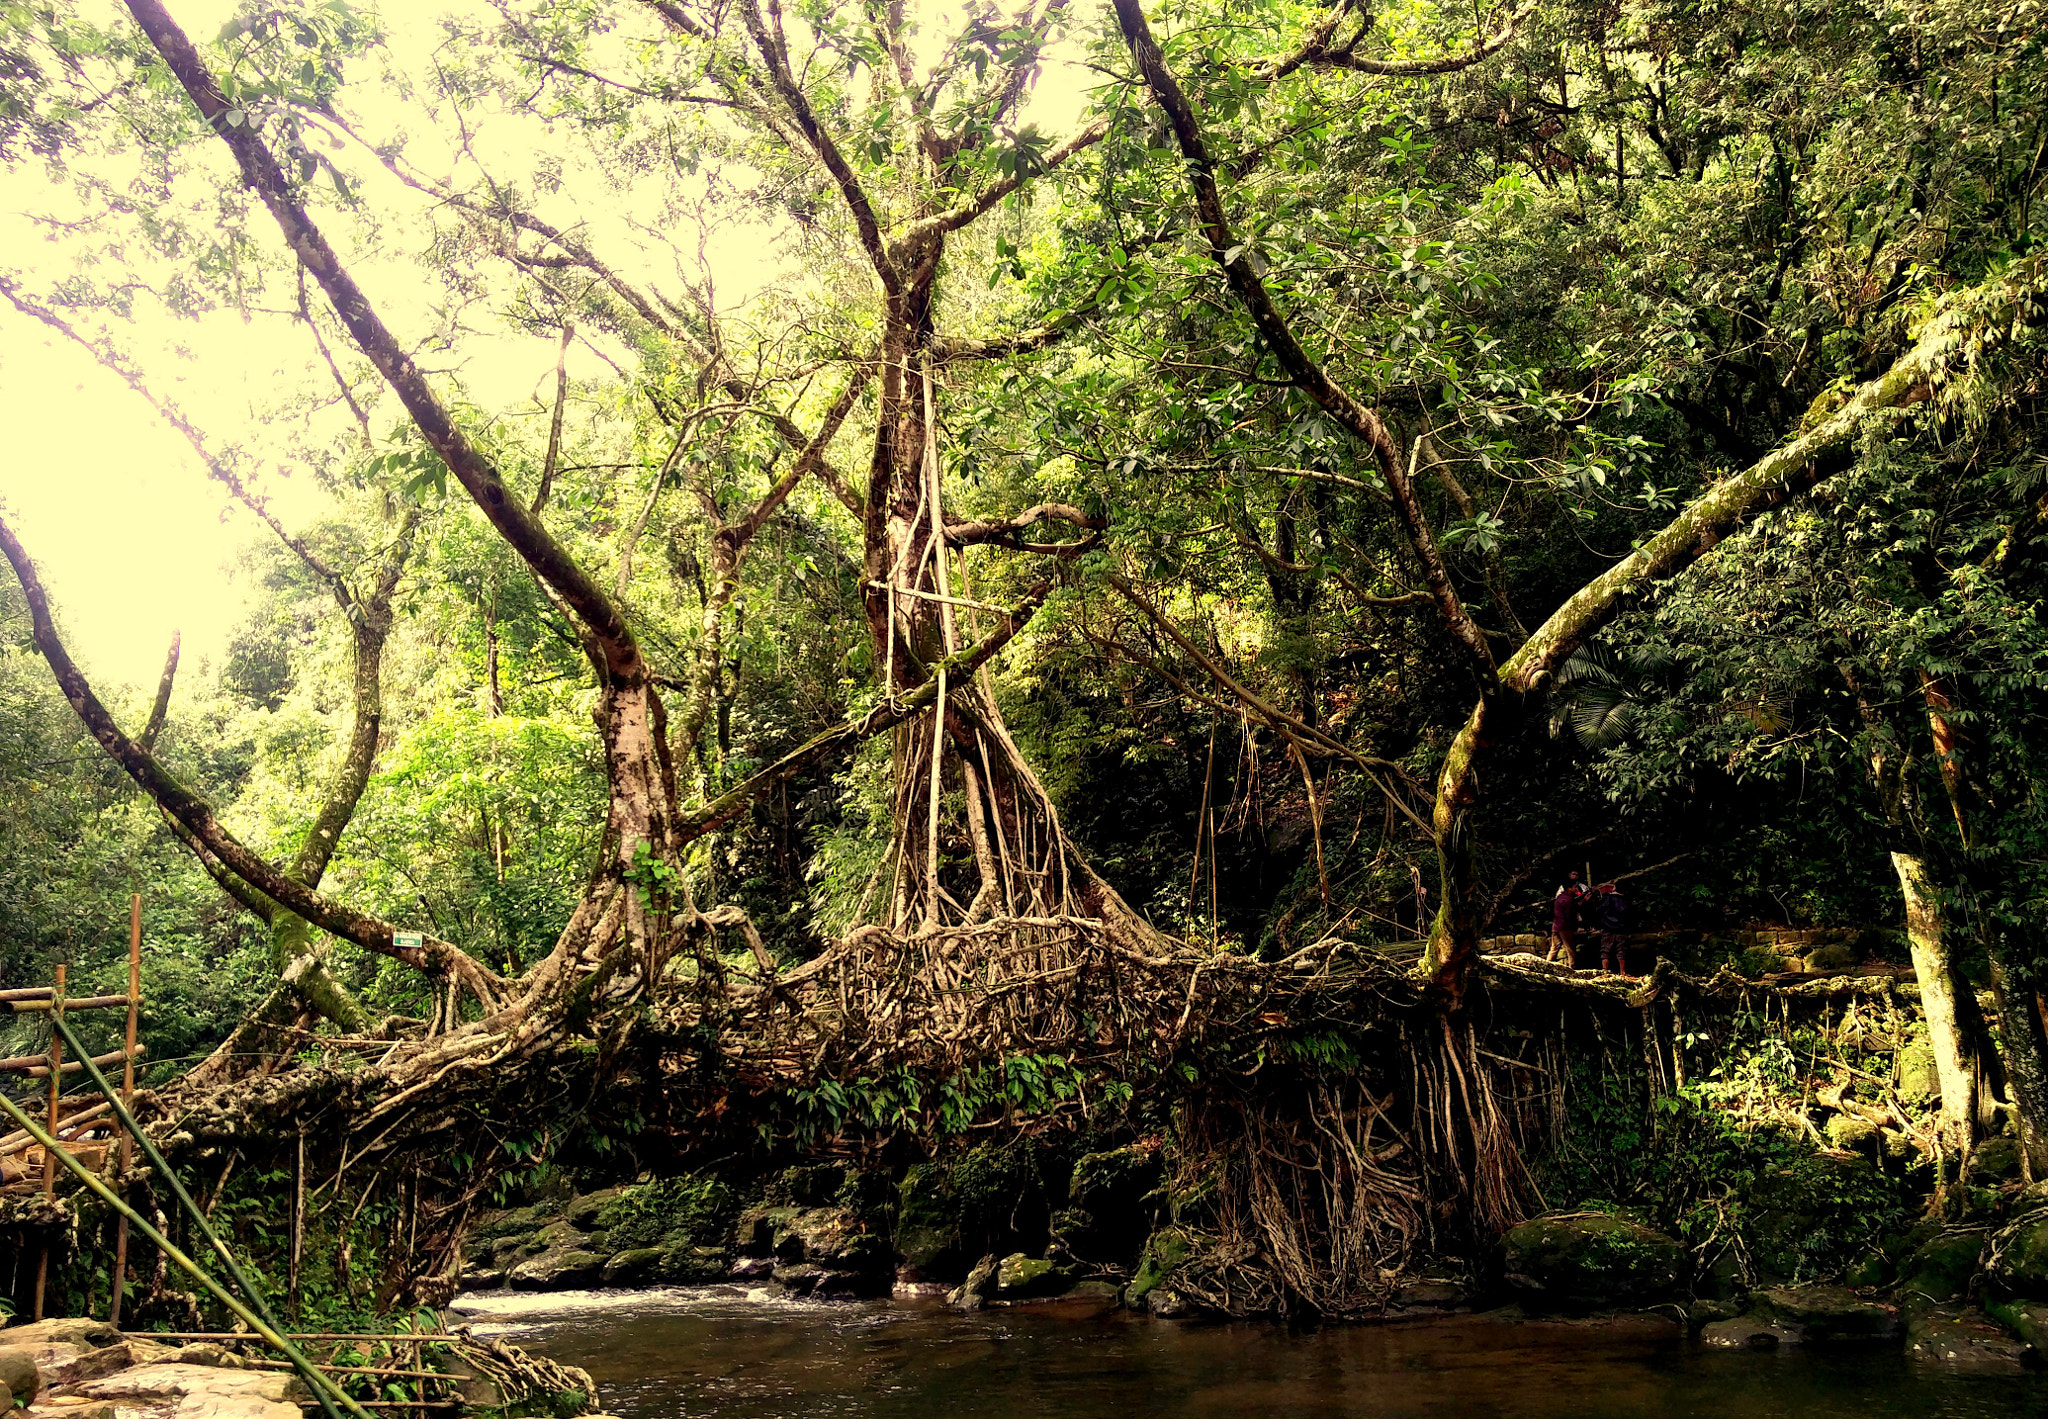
[1022,1223]
[86,1369]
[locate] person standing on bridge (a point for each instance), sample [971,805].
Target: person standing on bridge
[1609,911]
[1564,921]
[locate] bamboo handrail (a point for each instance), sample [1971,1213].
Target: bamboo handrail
[320,1384]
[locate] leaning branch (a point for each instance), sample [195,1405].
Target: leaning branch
[193,812]
[1318,51]
[478,476]
[1304,372]
[1914,377]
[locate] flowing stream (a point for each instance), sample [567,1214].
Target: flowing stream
[734,1354]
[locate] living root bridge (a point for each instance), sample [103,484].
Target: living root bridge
[1332,1124]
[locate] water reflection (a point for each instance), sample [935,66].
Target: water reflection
[737,1354]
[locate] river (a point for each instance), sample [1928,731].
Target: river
[725,1353]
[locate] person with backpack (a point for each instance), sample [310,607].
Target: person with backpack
[1610,912]
[1564,921]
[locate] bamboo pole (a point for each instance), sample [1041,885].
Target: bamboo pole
[320,1384]
[51,1147]
[242,1278]
[118,1280]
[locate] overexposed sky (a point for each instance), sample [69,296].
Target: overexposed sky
[131,537]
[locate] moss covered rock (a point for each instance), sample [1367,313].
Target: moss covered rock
[1828,1313]
[1816,1216]
[1163,1254]
[1111,1208]
[1591,1260]
[1023,1278]
[989,1200]
[1941,1268]
[2020,1257]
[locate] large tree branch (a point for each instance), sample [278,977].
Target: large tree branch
[161,709]
[776,58]
[1912,378]
[369,626]
[191,810]
[549,560]
[1318,51]
[964,212]
[1302,370]
[1004,530]
[810,458]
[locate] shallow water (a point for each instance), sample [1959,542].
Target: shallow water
[734,1354]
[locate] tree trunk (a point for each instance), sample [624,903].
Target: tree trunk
[1954,1047]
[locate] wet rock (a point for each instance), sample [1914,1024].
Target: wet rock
[482,1278]
[831,1238]
[753,1268]
[979,1287]
[1022,1278]
[176,1391]
[1429,1295]
[1591,1260]
[1110,1212]
[519,1221]
[567,1270]
[72,1407]
[2026,1319]
[634,1267]
[583,1212]
[1164,1252]
[1956,1339]
[1701,1314]
[1828,1313]
[2020,1257]
[692,1265]
[19,1373]
[1167,1303]
[1749,1332]
[1941,1268]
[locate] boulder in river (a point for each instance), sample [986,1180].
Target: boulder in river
[821,1251]
[567,1268]
[1828,1313]
[1591,1261]
[1963,1340]
[1164,1253]
[1024,1278]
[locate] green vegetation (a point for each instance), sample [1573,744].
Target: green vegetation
[983,504]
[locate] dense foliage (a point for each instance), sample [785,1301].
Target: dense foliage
[1587,261]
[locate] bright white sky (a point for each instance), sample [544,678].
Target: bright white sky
[131,537]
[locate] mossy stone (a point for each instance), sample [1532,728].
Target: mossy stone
[1021,1277]
[1592,1260]
[1163,1254]
[1942,1267]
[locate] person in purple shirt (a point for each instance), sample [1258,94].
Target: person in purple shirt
[1564,921]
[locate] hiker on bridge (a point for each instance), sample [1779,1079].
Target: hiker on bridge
[1608,909]
[1564,921]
